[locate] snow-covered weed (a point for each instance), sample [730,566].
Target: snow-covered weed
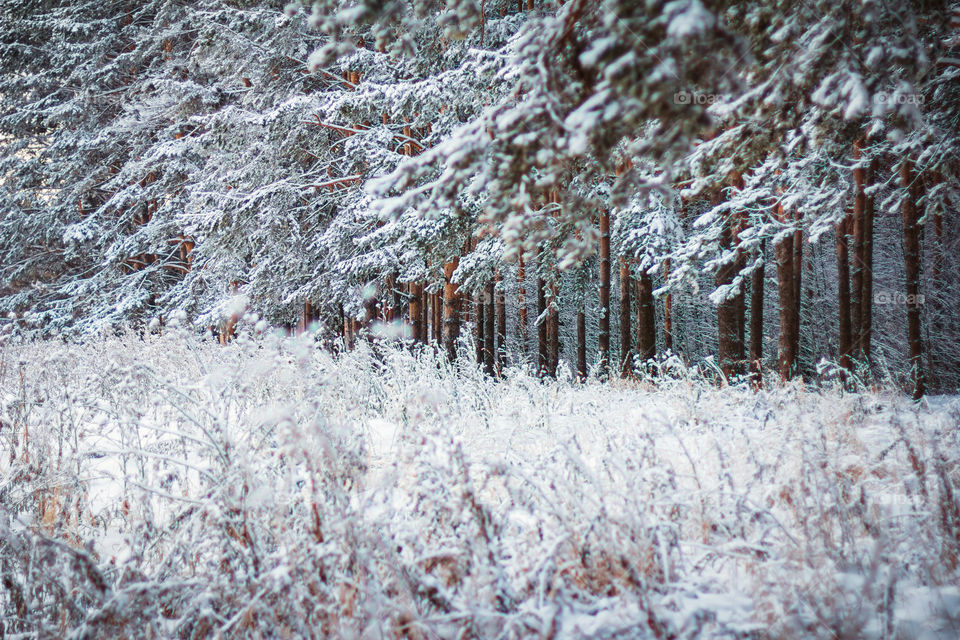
[171,487]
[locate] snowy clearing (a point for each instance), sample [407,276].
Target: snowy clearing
[169,487]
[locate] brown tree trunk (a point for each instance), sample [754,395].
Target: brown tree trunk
[646,318]
[581,345]
[866,294]
[489,330]
[451,309]
[438,317]
[797,287]
[501,303]
[603,339]
[756,319]
[856,265]
[542,355]
[522,306]
[728,330]
[626,337]
[911,256]
[786,293]
[396,314]
[667,310]
[553,331]
[843,292]
[370,308]
[479,315]
[416,312]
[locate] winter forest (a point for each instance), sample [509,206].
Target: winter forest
[479,319]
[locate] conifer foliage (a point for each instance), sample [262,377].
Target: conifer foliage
[431,166]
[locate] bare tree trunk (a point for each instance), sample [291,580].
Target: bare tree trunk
[396,314]
[451,309]
[416,312]
[843,292]
[797,287]
[740,313]
[646,318]
[581,345]
[856,266]
[603,340]
[667,310]
[626,337]
[786,292]
[728,329]
[553,331]
[911,256]
[438,317]
[542,355]
[501,303]
[489,330]
[479,315]
[756,319]
[866,294]
[522,321]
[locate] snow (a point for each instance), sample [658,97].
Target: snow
[519,505]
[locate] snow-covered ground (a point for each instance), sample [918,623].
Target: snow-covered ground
[170,487]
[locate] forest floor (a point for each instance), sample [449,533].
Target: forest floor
[171,487]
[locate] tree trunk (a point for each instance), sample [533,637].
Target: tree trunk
[416,312]
[553,331]
[603,340]
[479,314]
[797,287]
[856,266]
[626,337]
[756,319]
[489,330]
[581,345]
[786,293]
[522,306]
[451,309]
[866,295]
[646,318]
[911,256]
[542,355]
[501,303]
[843,292]
[667,310]
[728,329]
[438,317]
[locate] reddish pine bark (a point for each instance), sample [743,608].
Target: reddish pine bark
[501,304]
[843,292]
[489,330]
[787,342]
[416,312]
[756,319]
[667,310]
[626,338]
[451,309]
[603,339]
[542,355]
[911,257]
[646,318]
